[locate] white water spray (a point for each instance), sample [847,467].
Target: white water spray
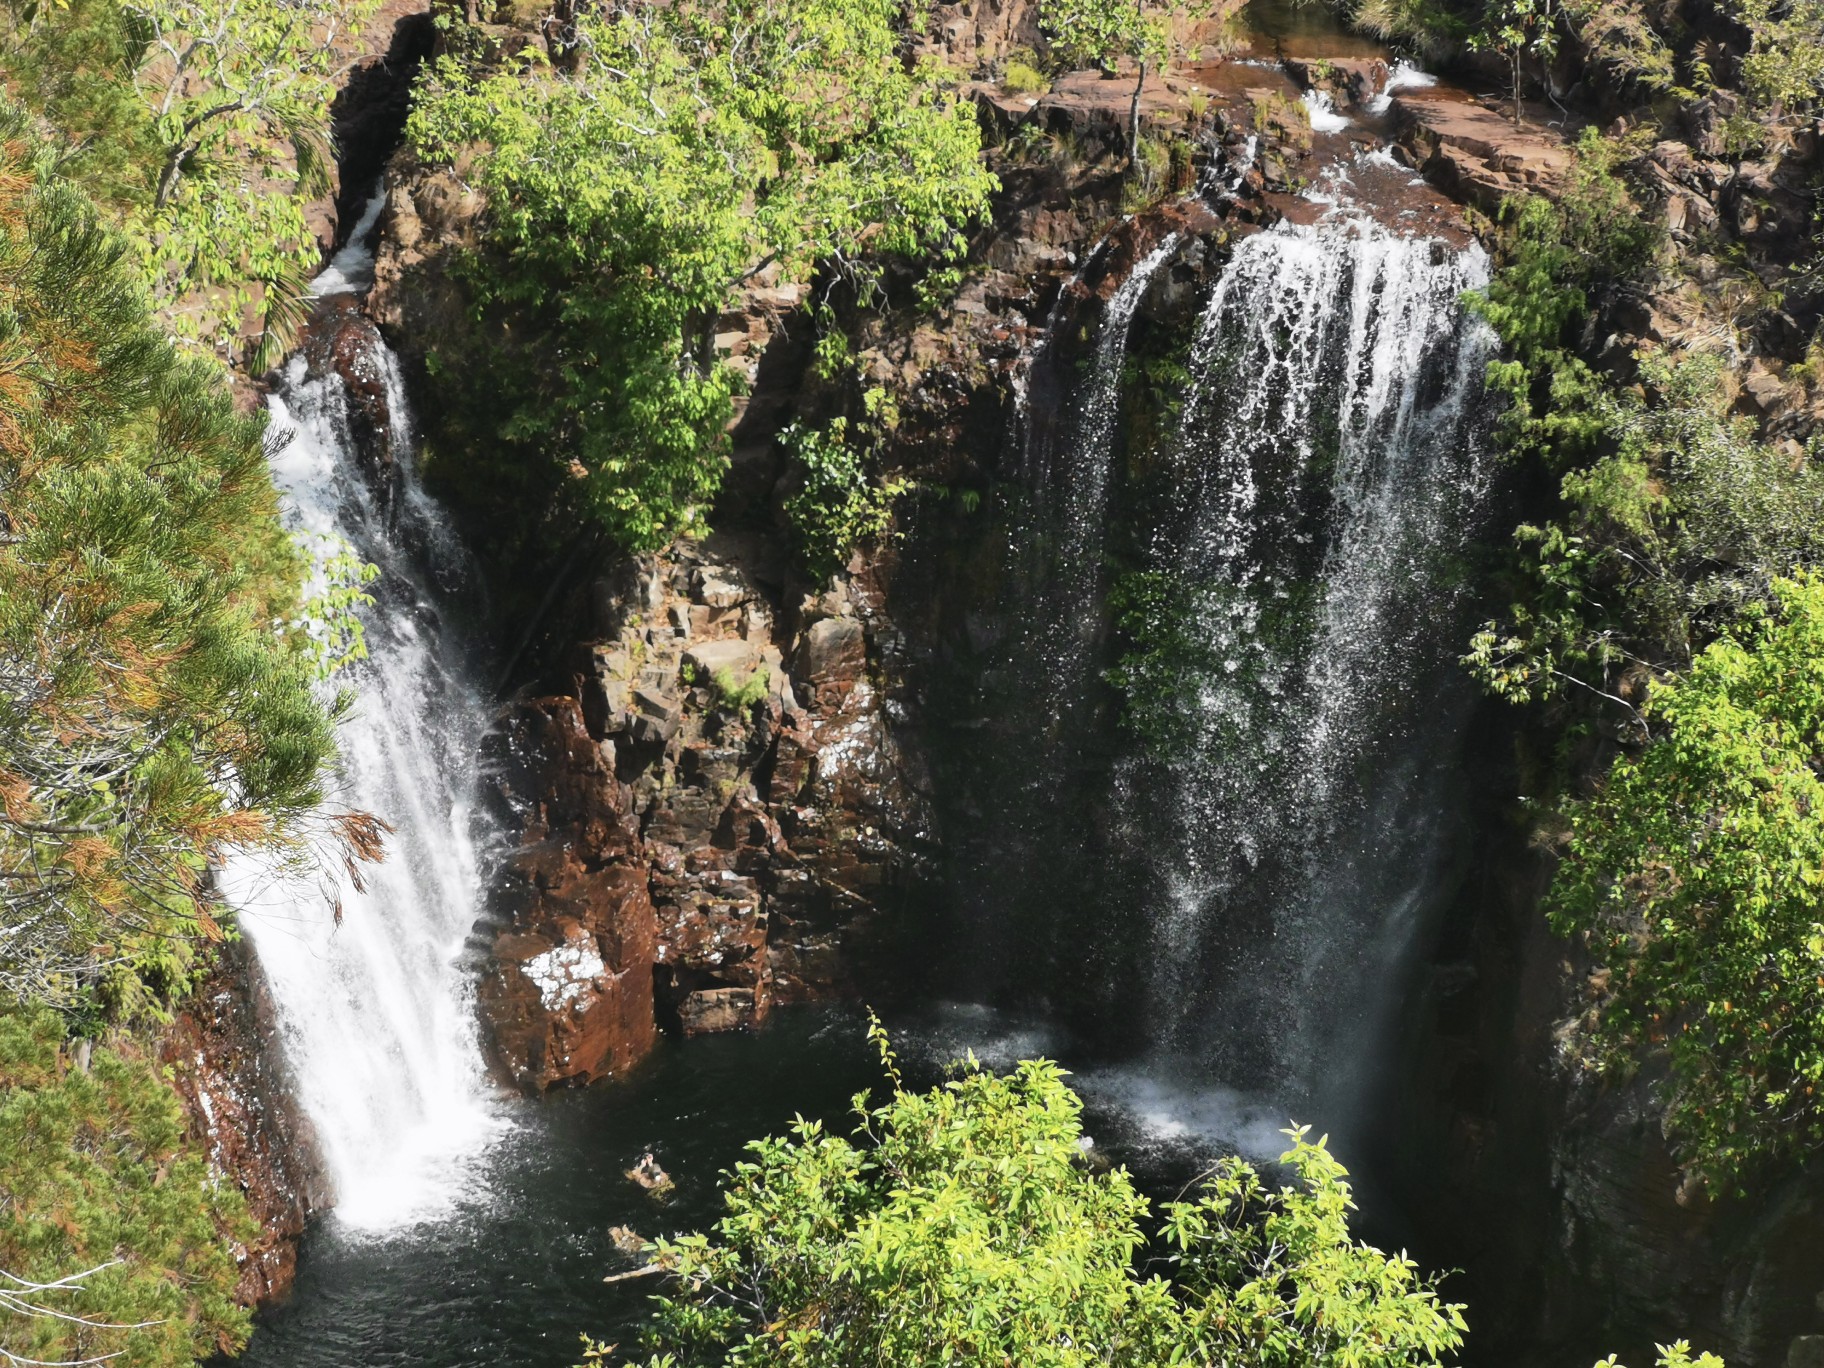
[1332,466]
[375,1003]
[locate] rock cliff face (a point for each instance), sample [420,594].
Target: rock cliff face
[226,1062]
[715,818]
[722,787]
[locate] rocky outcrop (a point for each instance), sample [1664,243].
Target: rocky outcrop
[340,340]
[713,819]
[1476,154]
[223,1054]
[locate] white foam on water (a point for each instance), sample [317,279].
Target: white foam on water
[375,1005]
[1324,116]
[351,270]
[1404,76]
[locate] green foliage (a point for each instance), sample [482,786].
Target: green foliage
[1091,33]
[1640,47]
[1097,33]
[1671,511]
[97,1178]
[1783,72]
[962,1225]
[1675,1355]
[1694,877]
[330,617]
[1023,78]
[1274,1277]
[1553,254]
[694,148]
[1151,175]
[1681,524]
[1428,26]
[202,126]
[1517,30]
[836,507]
[738,695]
[149,710]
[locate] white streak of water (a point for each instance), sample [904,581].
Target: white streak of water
[352,269]
[375,1008]
[1332,464]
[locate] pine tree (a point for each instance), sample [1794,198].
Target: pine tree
[152,712]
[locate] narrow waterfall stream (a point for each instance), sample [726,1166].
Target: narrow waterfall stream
[375,1000]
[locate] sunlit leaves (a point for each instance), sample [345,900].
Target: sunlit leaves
[966,1225]
[1694,876]
[695,148]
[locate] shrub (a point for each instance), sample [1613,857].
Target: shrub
[1021,78]
[837,506]
[962,1225]
[632,198]
[738,695]
[1692,875]
[96,1177]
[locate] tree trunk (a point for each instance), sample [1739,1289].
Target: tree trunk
[1133,119]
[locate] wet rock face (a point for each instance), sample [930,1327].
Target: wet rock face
[226,1064]
[706,819]
[341,340]
[568,998]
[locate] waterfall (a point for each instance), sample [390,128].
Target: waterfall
[373,1000]
[1247,509]
[1074,484]
[1327,471]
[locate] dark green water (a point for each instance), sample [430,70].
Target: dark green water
[514,1275]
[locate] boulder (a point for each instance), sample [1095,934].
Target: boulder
[568,997]
[1477,153]
[707,659]
[719,1009]
[833,650]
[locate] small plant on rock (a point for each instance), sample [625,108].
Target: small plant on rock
[738,695]
[837,506]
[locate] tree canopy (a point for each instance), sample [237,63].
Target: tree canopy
[965,1225]
[154,707]
[1694,877]
[202,127]
[688,150]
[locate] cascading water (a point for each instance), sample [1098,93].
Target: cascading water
[1072,466]
[374,1002]
[1247,509]
[1326,472]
